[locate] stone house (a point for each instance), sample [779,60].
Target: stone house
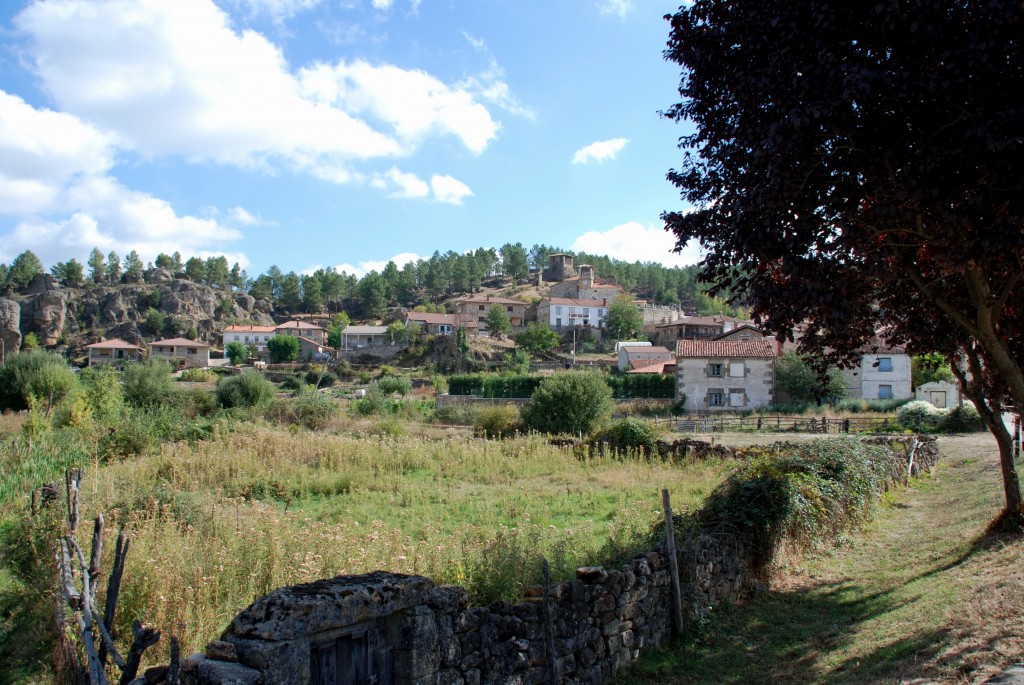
[113,351]
[717,375]
[311,350]
[688,328]
[942,394]
[586,286]
[441,324]
[477,308]
[303,329]
[744,331]
[181,352]
[249,335]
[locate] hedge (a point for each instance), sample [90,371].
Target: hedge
[627,386]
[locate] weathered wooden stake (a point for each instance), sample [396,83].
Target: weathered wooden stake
[73,481]
[673,565]
[549,628]
[114,589]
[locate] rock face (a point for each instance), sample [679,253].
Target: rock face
[81,316]
[10,324]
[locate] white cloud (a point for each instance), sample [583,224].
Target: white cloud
[490,84]
[366,267]
[243,217]
[449,190]
[634,242]
[41,151]
[617,7]
[599,151]
[401,184]
[176,79]
[278,10]
[383,5]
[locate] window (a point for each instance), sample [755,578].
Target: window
[558,322]
[716,399]
[885,363]
[558,311]
[508,308]
[737,370]
[715,370]
[586,311]
[481,307]
[885,392]
[191,350]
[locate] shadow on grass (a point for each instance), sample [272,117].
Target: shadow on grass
[787,638]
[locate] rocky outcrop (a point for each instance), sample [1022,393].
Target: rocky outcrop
[10,324]
[49,313]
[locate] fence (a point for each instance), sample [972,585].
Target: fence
[709,423]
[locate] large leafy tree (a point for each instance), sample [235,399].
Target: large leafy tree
[624,318]
[498,321]
[861,165]
[537,339]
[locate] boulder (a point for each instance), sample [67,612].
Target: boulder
[10,324]
[49,312]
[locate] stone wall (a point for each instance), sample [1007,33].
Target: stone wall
[395,629]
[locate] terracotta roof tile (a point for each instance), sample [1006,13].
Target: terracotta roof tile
[180,342]
[760,349]
[113,344]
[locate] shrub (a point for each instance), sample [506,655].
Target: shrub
[148,384]
[249,389]
[315,411]
[44,376]
[629,435]
[318,374]
[197,376]
[236,352]
[961,420]
[102,386]
[390,385]
[497,421]
[575,402]
[440,384]
[283,348]
[918,415]
[456,414]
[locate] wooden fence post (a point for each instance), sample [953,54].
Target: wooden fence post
[673,565]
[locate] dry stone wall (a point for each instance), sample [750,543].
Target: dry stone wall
[393,629]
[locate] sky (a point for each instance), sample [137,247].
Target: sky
[335,133]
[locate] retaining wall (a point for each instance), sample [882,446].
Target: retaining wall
[392,629]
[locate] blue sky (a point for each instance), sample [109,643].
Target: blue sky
[335,133]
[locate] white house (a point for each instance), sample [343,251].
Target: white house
[564,312]
[724,375]
[942,394]
[249,335]
[883,374]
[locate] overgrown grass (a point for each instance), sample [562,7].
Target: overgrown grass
[219,521]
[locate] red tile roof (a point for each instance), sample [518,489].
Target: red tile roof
[578,303]
[645,349]
[430,318]
[487,299]
[299,325]
[249,329]
[651,366]
[759,349]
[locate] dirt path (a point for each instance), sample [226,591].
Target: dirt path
[921,596]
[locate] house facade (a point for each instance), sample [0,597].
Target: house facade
[181,352]
[586,286]
[442,324]
[881,375]
[716,375]
[303,329]
[477,308]
[564,312]
[356,337]
[688,328]
[113,351]
[249,335]
[942,394]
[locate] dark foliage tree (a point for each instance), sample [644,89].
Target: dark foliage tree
[70,273]
[861,165]
[113,267]
[575,402]
[291,291]
[97,266]
[624,318]
[23,269]
[498,321]
[283,348]
[195,268]
[133,266]
[537,338]
[514,261]
[799,382]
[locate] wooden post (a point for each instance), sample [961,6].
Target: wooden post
[549,628]
[673,565]
[73,481]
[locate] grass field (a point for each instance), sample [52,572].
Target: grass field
[922,593]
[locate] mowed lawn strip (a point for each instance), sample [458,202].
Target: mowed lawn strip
[922,593]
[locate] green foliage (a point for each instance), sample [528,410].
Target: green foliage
[155,321]
[629,436]
[517,362]
[919,415]
[315,411]
[103,391]
[963,419]
[236,352]
[498,321]
[642,385]
[537,339]
[925,368]
[497,421]
[808,493]
[23,269]
[70,273]
[493,385]
[390,385]
[43,376]
[796,380]
[147,384]
[283,349]
[575,402]
[197,376]
[97,266]
[624,319]
[30,341]
[249,389]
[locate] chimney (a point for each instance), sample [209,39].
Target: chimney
[604,300]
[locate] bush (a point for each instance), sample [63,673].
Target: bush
[918,415]
[456,414]
[389,385]
[574,402]
[629,435]
[44,376]
[315,411]
[148,384]
[961,420]
[319,374]
[197,376]
[283,348]
[497,421]
[236,352]
[640,385]
[102,386]
[249,389]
